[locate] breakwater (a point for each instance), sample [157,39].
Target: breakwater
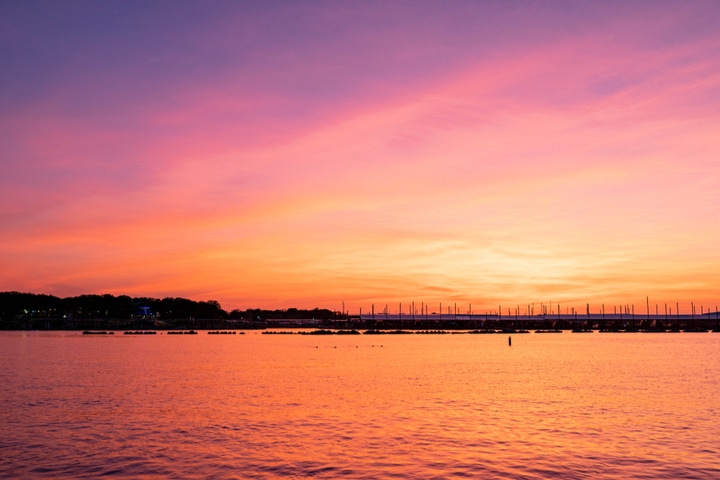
[430,322]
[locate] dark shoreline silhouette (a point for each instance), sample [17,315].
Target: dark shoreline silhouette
[29,311]
[97,313]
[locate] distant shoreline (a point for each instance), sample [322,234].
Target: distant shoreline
[27,311]
[343,327]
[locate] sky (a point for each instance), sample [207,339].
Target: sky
[326,153]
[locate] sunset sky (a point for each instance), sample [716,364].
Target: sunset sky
[303,154]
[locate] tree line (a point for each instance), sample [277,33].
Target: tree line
[15,305]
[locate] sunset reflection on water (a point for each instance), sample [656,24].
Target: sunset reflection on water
[362,406]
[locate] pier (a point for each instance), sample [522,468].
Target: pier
[614,322]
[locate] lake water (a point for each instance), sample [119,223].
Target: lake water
[590,405]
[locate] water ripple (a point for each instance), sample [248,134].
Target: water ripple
[429,407]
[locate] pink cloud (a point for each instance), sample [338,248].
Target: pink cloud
[563,163]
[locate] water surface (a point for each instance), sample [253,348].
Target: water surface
[392,406]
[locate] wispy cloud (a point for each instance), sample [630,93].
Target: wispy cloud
[306,155]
